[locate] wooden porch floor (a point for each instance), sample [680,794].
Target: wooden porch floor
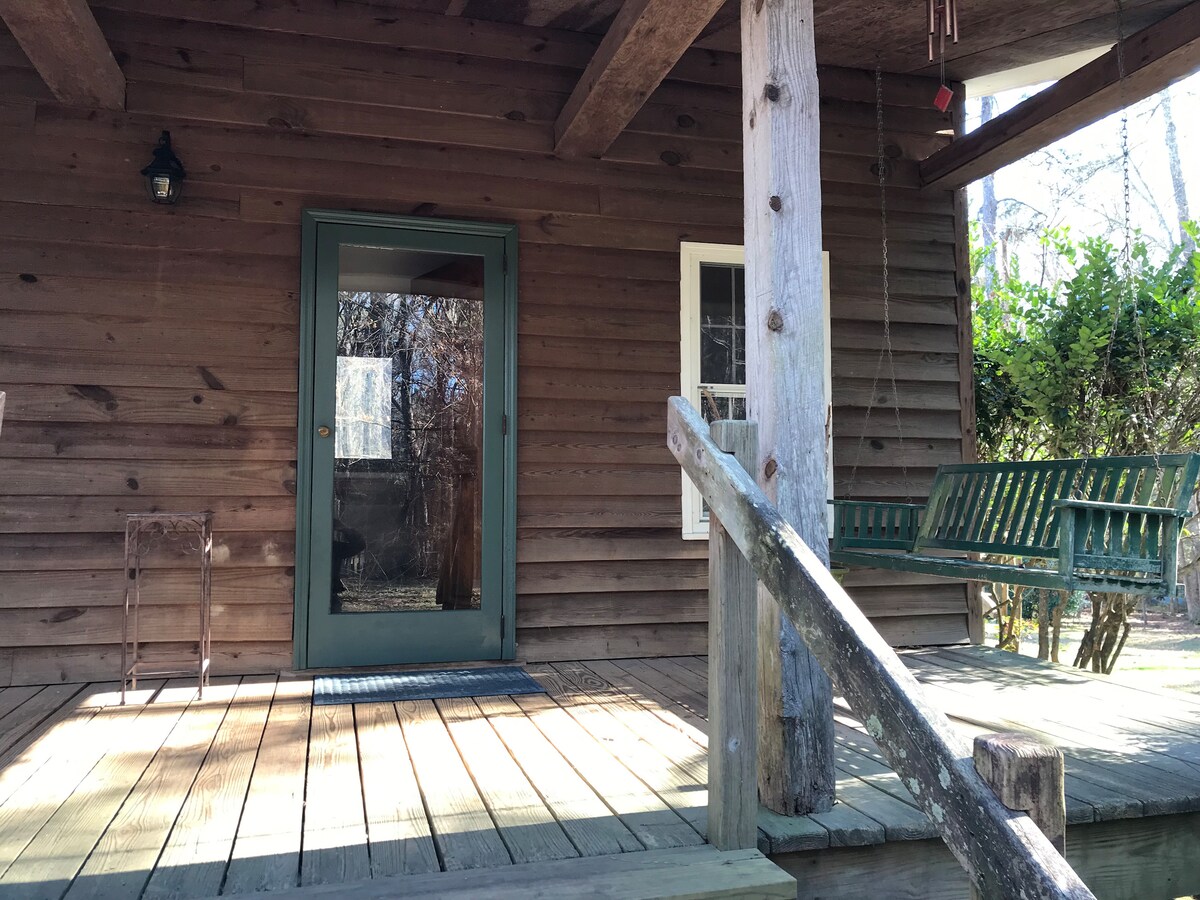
[175,797]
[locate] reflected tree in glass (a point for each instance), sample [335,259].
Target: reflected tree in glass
[407,520]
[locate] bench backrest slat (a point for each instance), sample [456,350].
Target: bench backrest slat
[1009,507]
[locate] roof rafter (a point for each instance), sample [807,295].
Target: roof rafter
[645,41]
[64,43]
[1154,57]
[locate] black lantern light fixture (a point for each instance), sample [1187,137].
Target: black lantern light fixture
[164,176]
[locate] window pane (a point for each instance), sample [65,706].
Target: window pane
[722,324]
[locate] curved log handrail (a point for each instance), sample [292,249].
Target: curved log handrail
[1003,852]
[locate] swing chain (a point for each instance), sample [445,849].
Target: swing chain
[1127,295]
[881,170]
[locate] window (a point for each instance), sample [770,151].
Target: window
[713,349]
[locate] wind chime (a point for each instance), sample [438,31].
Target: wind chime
[943,23]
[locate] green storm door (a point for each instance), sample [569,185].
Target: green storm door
[403,519]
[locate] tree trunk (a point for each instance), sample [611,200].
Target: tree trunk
[1189,564]
[1056,638]
[1178,182]
[988,211]
[1192,595]
[1043,623]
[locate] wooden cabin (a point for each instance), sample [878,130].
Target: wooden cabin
[530,217]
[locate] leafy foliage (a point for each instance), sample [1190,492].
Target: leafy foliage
[1104,362]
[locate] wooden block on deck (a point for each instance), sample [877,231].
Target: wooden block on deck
[693,873]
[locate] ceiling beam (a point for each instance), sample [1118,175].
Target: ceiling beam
[645,41]
[1154,57]
[64,43]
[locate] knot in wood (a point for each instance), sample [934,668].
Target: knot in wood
[670,157]
[772,92]
[770,468]
[775,320]
[776,203]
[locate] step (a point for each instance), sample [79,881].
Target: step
[693,873]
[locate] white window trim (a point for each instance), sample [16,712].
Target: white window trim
[691,256]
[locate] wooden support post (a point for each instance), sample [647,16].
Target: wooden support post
[1027,776]
[732,651]
[785,371]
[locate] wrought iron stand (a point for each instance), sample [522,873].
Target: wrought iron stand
[143,531]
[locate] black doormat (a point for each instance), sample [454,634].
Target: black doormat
[428,684]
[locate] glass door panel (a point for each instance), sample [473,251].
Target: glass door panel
[407,514]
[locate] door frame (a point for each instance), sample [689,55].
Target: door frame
[310,219]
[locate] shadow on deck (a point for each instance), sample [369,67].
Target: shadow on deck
[255,789]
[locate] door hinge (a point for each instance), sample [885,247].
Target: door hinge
[504,423]
[504,263]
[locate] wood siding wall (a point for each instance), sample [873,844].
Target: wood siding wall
[150,352]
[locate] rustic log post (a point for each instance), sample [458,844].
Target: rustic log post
[1027,776]
[785,372]
[732,689]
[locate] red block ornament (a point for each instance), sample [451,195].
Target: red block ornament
[943,98]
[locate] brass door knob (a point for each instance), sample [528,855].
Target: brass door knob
[324,431]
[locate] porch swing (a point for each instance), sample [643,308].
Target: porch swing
[1105,524]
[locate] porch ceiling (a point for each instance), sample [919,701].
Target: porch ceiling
[996,35]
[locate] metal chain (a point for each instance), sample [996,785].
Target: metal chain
[886,350]
[1128,295]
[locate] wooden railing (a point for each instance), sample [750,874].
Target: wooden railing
[1003,851]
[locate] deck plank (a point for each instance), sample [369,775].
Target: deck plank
[695,872]
[681,782]
[877,792]
[1129,694]
[401,841]
[23,720]
[1057,692]
[335,825]
[124,856]
[12,697]
[1089,757]
[1092,730]
[529,827]
[49,864]
[1104,800]
[642,811]
[32,804]
[652,699]
[266,850]
[194,858]
[673,668]
[19,762]
[465,835]
[593,828]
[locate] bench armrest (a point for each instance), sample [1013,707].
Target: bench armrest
[875,525]
[1098,535]
[1120,508]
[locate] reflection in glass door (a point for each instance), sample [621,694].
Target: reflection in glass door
[407,435]
[405,548]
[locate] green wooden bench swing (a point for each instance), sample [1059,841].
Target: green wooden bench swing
[1107,524]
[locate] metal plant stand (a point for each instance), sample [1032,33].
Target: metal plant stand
[142,532]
